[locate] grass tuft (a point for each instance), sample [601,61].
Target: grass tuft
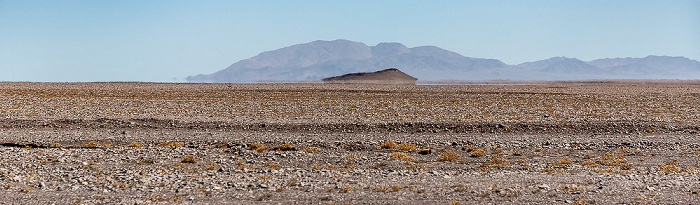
[478,153]
[171,144]
[345,189]
[494,161]
[354,156]
[91,143]
[389,145]
[400,155]
[257,147]
[188,159]
[448,156]
[312,150]
[285,147]
[407,146]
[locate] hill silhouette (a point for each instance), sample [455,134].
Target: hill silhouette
[387,76]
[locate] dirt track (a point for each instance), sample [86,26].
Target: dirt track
[544,142]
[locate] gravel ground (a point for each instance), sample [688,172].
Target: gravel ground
[627,142]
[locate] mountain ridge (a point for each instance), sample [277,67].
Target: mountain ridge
[320,59]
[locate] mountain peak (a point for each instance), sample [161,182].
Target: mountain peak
[384,49]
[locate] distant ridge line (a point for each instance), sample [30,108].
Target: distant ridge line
[319,59]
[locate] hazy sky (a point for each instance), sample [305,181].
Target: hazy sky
[151,40]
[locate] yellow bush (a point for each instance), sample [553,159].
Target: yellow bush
[312,150]
[189,159]
[448,156]
[389,145]
[407,146]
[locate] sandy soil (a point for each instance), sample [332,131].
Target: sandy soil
[603,142]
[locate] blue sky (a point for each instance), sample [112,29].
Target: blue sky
[168,40]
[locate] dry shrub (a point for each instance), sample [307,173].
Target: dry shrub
[494,161]
[392,188]
[264,177]
[471,148]
[448,156]
[121,185]
[588,163]
[381,189]
[571,188]
[548,170]
[222,145]
[603,171]
[669,167]
[272,165]
[389,145]
[240,164]
[333,168]
[524,163]
[626,167]
[286,147]
[91,143]
[563,161]
[135,144]
[400,155]
[478,153]
[354,156]
[453,202]
[171,144]
[257,147]
[611,159]
[312,149]
[189,159]
[395,188]
[517,152]
[538,149]
[345,189]
[407,146]
[211,166]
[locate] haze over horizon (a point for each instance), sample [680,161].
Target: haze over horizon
[166,41]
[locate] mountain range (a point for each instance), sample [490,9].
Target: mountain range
[320,59]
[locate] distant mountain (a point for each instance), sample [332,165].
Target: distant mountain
[321,59]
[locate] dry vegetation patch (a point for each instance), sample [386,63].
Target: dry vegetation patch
[257,147]
[448,156]
[312,149]
[171,144]
[389,145]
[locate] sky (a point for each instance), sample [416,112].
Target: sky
[168,40]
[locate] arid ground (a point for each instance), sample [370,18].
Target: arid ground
[589,142]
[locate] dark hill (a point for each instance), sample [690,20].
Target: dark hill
[387,76]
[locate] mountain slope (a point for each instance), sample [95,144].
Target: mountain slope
[320,59]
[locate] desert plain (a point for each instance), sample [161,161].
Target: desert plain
[584,142]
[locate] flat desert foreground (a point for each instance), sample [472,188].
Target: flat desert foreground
[588,142]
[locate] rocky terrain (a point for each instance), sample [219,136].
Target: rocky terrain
[602,142]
